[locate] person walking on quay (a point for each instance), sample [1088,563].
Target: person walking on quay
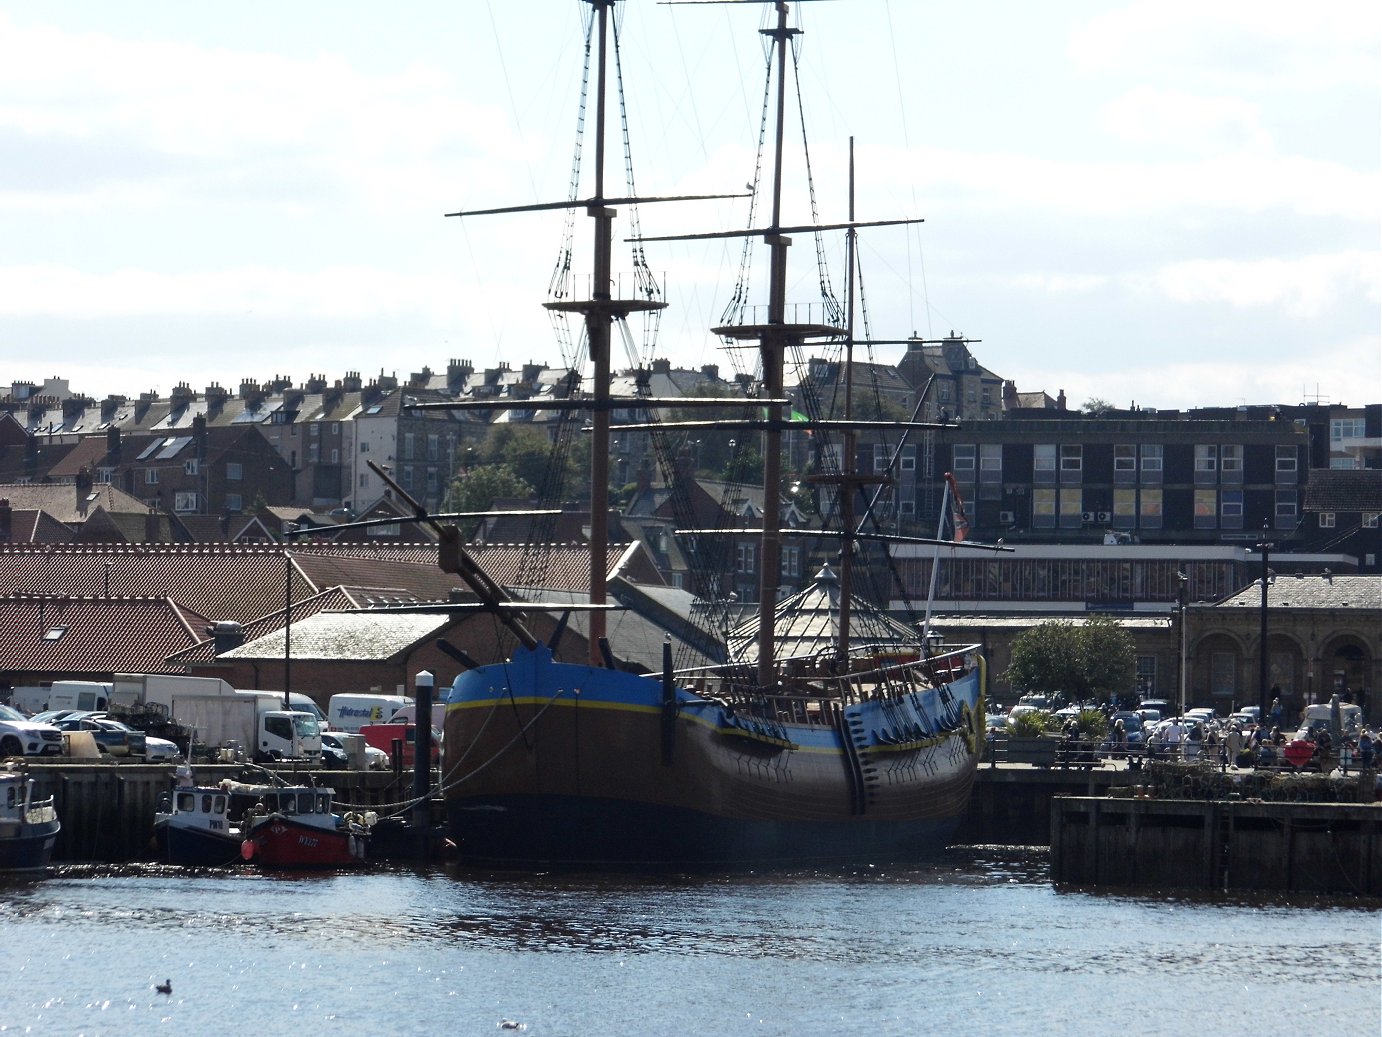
[1120,738]
[1367,746]
[1194,739]
[1173,735]
[1233,745]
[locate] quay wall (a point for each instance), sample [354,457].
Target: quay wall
[1217,845]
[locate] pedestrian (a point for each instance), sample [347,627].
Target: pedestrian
[1120,738]
[1366,748]
[1194,738]
[1172,737]
[1233,744]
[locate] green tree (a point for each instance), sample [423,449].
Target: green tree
[479,488]
[1093,659]
[1096,407]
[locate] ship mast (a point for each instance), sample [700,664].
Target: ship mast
[774,338]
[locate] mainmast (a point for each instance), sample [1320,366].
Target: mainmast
[774,338]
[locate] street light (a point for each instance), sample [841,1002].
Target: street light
[1266,549]
[1180,598]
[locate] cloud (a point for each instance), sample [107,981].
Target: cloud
[1307,287]
[1254,44]
[1186,122]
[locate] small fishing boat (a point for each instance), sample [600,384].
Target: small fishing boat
[274,826]
[28,826]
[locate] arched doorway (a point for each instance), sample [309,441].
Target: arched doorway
[1345,666]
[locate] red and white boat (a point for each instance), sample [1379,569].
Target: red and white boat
[294,826]
[275,826]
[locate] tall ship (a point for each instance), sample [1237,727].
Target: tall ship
[822,731]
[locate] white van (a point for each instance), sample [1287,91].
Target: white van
[352,712]
[85,695]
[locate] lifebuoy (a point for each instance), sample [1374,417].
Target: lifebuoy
[247,849]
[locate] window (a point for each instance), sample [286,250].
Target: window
[1231,505]
[1071,457]
[1206,457]
[1044,463]
[191,466]
[1370,519]
[335,456]
[185,502]
[1231,458]
[1071,508]
[1146,675]
[944,393]
[881,456]
[791,561]
[364,448]
[1343,462]
[364,479]
[408,446]
[744,558]
[1043,507]
[105,475]
[1285,508]
[407,477]
[1346,428]
[1151,457]
[991,463]
[234,470]
[1285,459]
[1149,514]
[316,430]
[963,464]
[907,507]
[234,502]
[335,428]
[909,459]
[1124,457]
[1124,507]
[1326,520]
[433,443]
[150,476]
[1206,508]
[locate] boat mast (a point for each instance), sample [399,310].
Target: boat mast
[847,463]
[600,311]
[773,339]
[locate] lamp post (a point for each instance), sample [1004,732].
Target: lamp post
[1180,678]
[422,761]
[1265,548]
[288,531]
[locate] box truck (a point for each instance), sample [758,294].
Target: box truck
[213,713]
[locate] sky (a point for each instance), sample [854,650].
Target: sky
[1160,202]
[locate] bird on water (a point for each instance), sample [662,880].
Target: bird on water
[166,987]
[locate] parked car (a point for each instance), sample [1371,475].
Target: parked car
[160,750]
[111,736]
[334,756]
[20,736]
[1132,727]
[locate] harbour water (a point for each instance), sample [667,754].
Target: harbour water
[977,942]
